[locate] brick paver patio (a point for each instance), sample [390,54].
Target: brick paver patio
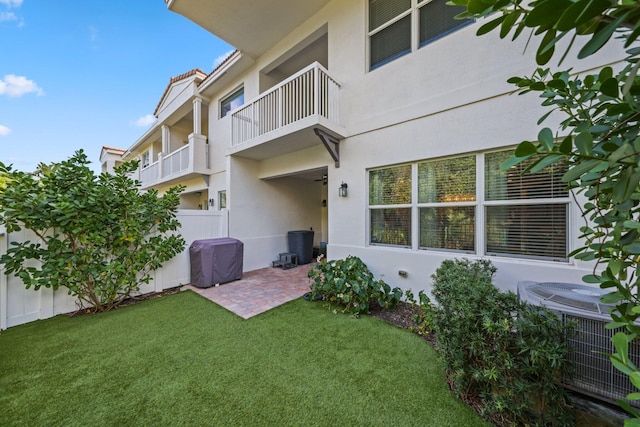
[259,290]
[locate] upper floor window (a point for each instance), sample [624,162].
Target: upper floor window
[393,31]
[145,159]
[231,102]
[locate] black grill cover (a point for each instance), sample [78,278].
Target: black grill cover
[215,261]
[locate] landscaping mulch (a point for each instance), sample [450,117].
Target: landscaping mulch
[402,316]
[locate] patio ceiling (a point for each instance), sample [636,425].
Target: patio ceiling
[252,26]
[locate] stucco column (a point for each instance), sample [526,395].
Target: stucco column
[197,116]
[166,139]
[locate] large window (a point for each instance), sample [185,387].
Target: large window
[393,31]
[231,102]
[434,205]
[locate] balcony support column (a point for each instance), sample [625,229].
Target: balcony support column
[198,153]
[160,166]
[166,139]
[331,143]
[197,116]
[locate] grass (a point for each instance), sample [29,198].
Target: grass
[182,360]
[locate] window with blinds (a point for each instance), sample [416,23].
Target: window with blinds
[526,214]
[395,24]
[437,19]
[390,206]
[450,182]
[389,30]
[447,205]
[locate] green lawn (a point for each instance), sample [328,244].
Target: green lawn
[182,360]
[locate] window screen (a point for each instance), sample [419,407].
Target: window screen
[437,20]
[447,180]
[513,184]
[535,231]
[391,226]
[450,228]
[390,186]
[383,11]
[526,228]
[391,42]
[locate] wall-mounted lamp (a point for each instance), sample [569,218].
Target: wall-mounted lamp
[211,202]
[342,190]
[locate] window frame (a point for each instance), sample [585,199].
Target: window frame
[232,96]
[414,39]
[481,215]
[222,199]
[450,204]
[145,159]
[538,201]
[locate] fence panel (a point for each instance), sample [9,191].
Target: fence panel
[19,305]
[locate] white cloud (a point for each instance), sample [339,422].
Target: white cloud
[4,131]
[220,59]
[145,121]
[16,86]
[11,3]
[8,16]
[94,33]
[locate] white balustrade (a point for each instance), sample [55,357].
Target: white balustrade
[312,91]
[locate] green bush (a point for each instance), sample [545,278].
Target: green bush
[97,236]
[509,354]
[425,312]
[349,284]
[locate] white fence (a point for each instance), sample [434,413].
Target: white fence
[19,305]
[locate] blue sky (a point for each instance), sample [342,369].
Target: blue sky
[86,73]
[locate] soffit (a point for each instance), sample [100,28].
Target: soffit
[252,26]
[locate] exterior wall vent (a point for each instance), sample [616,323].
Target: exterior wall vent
[593,374]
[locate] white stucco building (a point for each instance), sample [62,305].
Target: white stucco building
[402,104]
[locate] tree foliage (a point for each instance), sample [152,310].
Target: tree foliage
[598,137]
[98,236]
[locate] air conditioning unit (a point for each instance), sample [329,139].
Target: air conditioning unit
[594,374]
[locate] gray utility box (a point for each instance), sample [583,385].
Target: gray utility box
[215,261]
[301,244]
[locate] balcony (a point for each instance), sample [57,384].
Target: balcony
[187,162]
[283,119]
[268,21]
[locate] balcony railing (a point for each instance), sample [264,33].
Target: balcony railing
[311,91]
[192,159]
[175,162]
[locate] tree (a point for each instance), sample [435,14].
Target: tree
[98,236]
[598,139]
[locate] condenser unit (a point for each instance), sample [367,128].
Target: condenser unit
[589,346]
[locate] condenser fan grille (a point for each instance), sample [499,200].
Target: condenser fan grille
[570,296]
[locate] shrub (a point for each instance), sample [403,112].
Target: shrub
[98,236]
[509,354]
[350,285]
[425,312]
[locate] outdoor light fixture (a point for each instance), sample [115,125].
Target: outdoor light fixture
[211,202]
[342,190]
